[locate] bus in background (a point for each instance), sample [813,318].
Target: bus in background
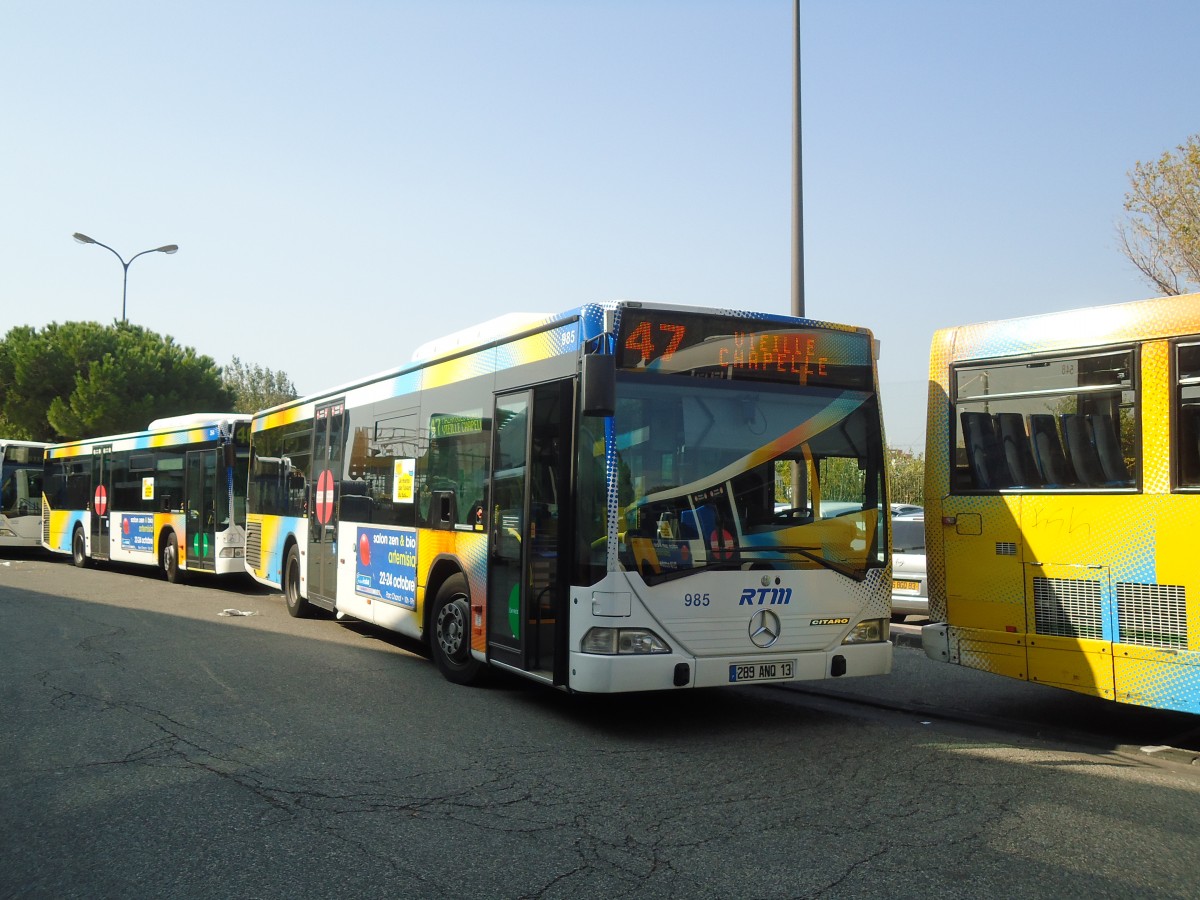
[172,496]
[590,500]
[20,493]
[1061,498]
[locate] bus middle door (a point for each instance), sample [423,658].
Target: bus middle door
[200,485]
[328,456]
[100,501]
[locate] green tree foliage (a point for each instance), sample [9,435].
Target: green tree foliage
[906,476]
[842,479]
[1161,235]
[83,379]
[254,388]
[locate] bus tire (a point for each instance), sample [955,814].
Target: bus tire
[78,549]
[450,641]
[297,606]
[169,558]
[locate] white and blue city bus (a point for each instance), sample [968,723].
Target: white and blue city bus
[173,495]
[20,492]
[616,498]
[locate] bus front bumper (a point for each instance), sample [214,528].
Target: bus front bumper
[610,674]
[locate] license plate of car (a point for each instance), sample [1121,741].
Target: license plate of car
[767,670]
[906,585]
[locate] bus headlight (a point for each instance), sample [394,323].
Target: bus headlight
[869,631]
[622,641]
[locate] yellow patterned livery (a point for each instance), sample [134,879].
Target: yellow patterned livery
[1061,495]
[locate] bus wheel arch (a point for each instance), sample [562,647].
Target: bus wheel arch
[79,557]
[441,570]
[289,579]
[168,556]
[450,631]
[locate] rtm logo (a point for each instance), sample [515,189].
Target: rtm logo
[768,596]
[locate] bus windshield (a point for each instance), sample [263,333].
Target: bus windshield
[724,474]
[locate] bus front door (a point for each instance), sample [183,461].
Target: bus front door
[200,478]
[329,450]
[527,587]
[100,500]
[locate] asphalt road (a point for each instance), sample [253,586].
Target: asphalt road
[155,748]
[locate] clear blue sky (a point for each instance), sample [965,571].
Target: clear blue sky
[348,180]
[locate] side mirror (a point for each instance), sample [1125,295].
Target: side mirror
[599,385]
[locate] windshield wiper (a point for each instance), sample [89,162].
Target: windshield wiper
[747,554]
[672,575]
[810,554]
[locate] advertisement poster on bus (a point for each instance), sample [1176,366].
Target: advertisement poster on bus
[137,533]
[404,478]
[386,567]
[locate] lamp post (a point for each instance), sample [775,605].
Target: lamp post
[797,180]
[168,248]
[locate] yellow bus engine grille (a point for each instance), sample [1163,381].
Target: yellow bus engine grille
[1152,615]
[254,545]
[1067,607]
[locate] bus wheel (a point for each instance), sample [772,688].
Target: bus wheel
[297,606]
[78,551]
[451,639]
[170,558]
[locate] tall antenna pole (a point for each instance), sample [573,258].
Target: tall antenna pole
[797,184]
[799,486]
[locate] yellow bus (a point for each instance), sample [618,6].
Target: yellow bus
[1062,489]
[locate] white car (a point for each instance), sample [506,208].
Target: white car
[910,589]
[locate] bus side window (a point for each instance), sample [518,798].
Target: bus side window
[355,504]
[454,474]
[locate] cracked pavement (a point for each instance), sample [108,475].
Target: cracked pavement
[152,749]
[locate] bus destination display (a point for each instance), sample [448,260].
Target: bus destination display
[719,347]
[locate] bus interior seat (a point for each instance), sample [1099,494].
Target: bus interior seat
[985,456]
[1047,450]
[1017,452]
[754,494]
[1077,431]
[694,524]
[1108,446]
[1190,438]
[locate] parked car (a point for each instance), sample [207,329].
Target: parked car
[829,509]
[910,589]
[907,509]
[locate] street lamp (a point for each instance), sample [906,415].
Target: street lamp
[84,239]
